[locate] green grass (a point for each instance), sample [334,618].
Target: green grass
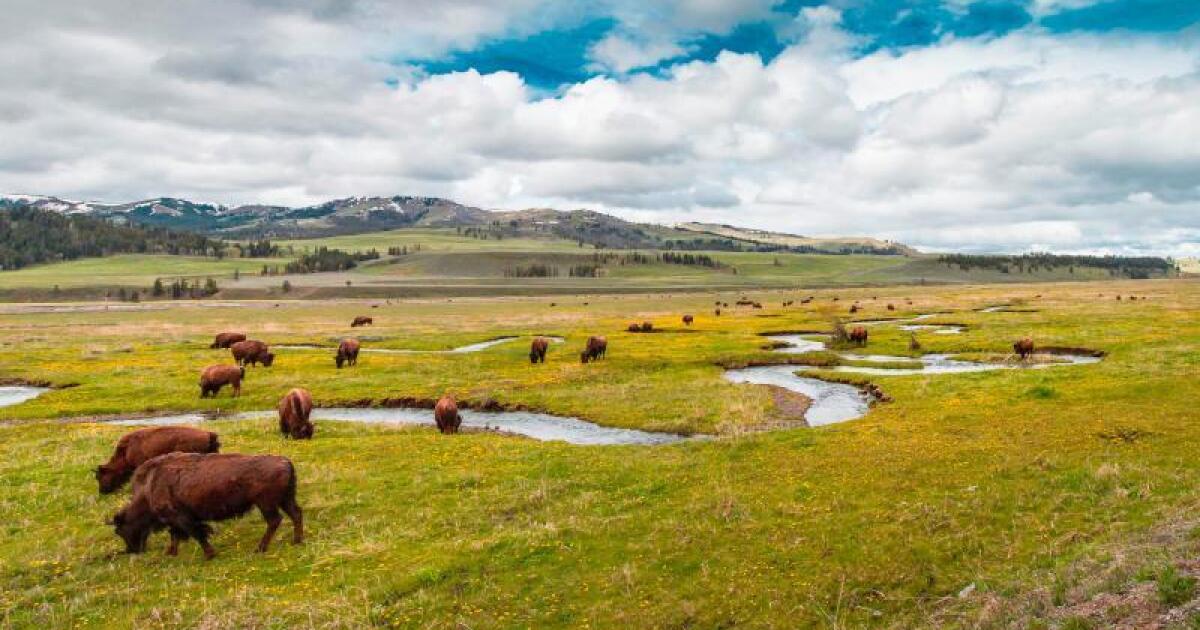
[967,478]
[130,270]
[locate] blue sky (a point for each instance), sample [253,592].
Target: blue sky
[966,125]
[560,54]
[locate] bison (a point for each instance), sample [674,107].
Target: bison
[891,307]
[859,335]
[347,353]
[634,327]
[647,327]
[294,409]
[1023,348]
[537,350]
[717,312]
[445,414]
[595,349]
[853,308]
[251,352]
[182,491]
[215,377]
[362,320]
[226,339]
[687,320]
[138,447]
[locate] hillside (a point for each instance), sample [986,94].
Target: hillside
[363,215]
[844,245]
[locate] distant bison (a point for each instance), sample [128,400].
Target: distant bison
[347,353]
[445,414]
[252,351]
[138,447]
[717,312]
[647,327]
[595,349]
[537,350]
[181,491]
[362,320]
[891,307]
[853,308]
[226,339]
[859,336]
[215,377]
[1023,348]
[634,327]
[294,409]
[687,320]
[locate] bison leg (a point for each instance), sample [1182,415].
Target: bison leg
[237,389]
[273,518]
[176,537]
[294,513]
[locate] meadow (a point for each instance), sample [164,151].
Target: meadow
[993,499]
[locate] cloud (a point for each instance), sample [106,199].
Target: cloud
[1079,142]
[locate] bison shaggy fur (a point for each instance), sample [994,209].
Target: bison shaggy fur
[347,353]
[362,320]
[251,352]
[294,409]
[1023,348]
[226,339]
[537,350]
[595,349]
[445,414]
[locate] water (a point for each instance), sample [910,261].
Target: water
[948,329]
[474,347]
[539,426]
[831,402]
[16,395]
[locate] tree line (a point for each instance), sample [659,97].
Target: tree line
[31,236]
[1135,267]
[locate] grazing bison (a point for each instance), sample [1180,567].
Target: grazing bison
[717,312]
[362,320]
[537,350]
[647,327]
[687,320]
[859,335]
[252,351]
[634,327]
[294,409]
[756,305]
[138,447]
[1023,348]
[891,307]
[445,414]
[226,339]
[347,353]
[215,377]
[595,349]
[853,308]
[181,491]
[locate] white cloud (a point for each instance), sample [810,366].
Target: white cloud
[1069,142]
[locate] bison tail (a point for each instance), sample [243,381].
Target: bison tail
[214,443]
[289,494]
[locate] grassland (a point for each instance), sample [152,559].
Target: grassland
[1009,481]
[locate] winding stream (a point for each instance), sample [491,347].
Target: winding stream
[16,395]
[539,426]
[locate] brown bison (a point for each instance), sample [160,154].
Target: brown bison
[717,312]
[891,307]
[215,377]
[251,352]
[362,320]
[226,339]
[445,414]
[347,353]
[647,327]
[1023,348]
[138,447]
[537,350]
[595,349]
[182,491]
[634,327]
[687,320]
[853,308]
[859,336]
[294,409]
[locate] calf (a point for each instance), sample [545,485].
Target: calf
[215,377]
[294,410]
[226,339]
[537,350]
[347,353]
[445,414]
[252,351]
[182,491]
[362,321]
[138,447]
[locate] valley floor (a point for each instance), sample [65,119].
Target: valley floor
[1014,498]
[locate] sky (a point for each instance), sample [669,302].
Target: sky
[952,125]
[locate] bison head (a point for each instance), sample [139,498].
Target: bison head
[134,526]
[267,359]
[583,356]
[109,478]
[339,360]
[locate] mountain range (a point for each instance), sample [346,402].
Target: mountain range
[354,215]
